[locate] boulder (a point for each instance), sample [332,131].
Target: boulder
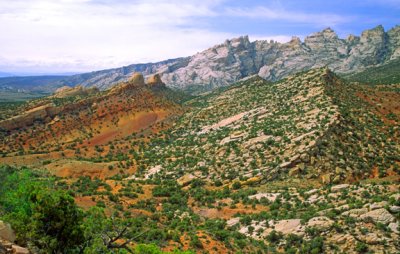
[339,187]
[292,226]
[394,226]
[396,196]
[355,213]
[379,215]
[370,238]
[346,241]
[186,179]
[232,222]
[311,192]
[321,223]
[19,250]
[270,196]
[394,209]
[342,238]
[376,205]
[6,232]
[314,198]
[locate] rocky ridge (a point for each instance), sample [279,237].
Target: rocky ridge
[47,110]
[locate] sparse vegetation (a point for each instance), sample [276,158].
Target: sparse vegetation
[254,167]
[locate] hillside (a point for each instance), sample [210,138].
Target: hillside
[75,119]
[308,163]
[300,125]
[388,73]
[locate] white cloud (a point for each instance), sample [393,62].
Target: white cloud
[276,13]
[83,35]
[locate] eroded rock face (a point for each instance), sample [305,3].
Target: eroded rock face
[219,65]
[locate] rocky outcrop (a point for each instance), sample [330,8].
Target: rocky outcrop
[185,180]
[155,81]
[321,223]
[219,65]
[339,187]
[6,232]
[137,79]
[7,247]
[378,216]
[286,227]
[239,58]
[39,113]
[66,91]
[7,238]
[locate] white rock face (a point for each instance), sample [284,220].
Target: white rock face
[239,58]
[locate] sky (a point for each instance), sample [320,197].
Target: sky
[59,36]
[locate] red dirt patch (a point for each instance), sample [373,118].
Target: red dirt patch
[227,212]
[85,202]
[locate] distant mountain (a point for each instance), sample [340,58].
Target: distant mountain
[105,78]
[31,83]
[238,58]
[5,74]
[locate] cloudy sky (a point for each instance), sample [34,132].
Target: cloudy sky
[56,36]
